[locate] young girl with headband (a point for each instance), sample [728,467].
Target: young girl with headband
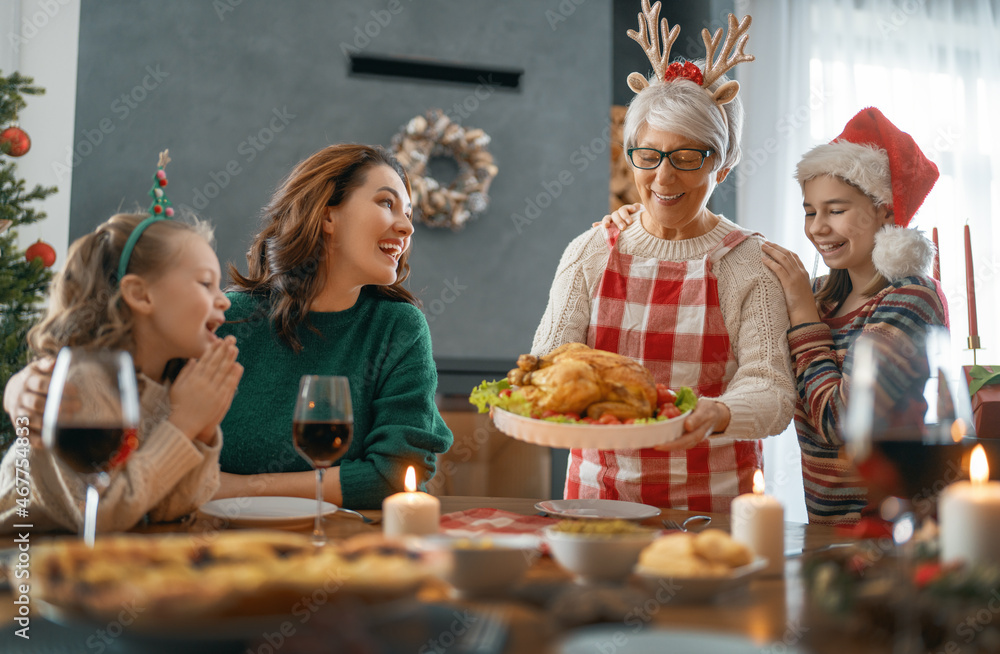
[149,286]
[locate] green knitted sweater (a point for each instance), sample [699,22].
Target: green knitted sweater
[383,347]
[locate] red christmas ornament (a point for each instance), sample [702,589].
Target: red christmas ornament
[14,141]
[41,250]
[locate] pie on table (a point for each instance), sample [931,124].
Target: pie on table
[216,573]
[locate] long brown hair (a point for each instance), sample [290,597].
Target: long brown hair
[838,286]
[285,259]
[85,303]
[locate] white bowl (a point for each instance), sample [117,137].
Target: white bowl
[597,558]
[483,565]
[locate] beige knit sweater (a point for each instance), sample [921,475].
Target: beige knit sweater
[761,396]
[167,477]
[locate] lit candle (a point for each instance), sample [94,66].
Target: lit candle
[410,513]
[758,521]
[936,270]
[970,285]
[969,512]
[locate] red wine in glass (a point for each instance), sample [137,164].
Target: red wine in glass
[918,471]
[322,442]
[90,449]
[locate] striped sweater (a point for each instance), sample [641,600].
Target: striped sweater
[834,491]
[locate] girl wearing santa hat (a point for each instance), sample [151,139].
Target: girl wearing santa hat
[860,193]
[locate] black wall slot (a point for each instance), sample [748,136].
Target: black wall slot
[402,67]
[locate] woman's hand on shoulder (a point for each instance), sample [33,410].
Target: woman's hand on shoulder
[708,417]
[623,217]
[799,298]
[204,389]
[24,398]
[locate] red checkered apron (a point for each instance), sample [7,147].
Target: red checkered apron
[666,316]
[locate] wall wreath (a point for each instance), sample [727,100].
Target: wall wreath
[434,135]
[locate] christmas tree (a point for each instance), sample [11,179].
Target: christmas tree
[23,284]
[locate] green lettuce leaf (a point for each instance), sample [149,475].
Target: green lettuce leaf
[686,399]
[487,395]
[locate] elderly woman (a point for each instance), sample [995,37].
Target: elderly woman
[684,292]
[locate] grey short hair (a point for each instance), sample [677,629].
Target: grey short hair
[683,107]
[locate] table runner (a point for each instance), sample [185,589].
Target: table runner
[478,522]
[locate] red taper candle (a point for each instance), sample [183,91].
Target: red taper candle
[936,270]
[970,285]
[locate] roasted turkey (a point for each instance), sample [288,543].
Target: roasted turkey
[574,378]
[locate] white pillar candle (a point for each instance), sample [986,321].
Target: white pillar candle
[758,521]
[969,512]
[410,513]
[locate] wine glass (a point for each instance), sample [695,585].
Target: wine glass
[90,420]
[321,430]
[908,430]
[908,424]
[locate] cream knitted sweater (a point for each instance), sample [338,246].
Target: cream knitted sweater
[167,477]
[761,396]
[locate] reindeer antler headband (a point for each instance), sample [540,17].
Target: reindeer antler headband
[731,54]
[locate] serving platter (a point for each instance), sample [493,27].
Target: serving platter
[588,437]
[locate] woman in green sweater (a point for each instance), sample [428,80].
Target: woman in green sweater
[323,295]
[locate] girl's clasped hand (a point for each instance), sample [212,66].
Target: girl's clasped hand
[203,390]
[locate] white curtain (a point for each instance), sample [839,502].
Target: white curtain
[933,68]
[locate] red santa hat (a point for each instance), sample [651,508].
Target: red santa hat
[887,165]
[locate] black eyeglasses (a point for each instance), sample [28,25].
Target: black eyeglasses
[683,159]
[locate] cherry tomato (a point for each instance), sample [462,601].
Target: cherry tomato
[548,413]
[505,392]
[664,395]
[588,420]
[669,411]
[608,419]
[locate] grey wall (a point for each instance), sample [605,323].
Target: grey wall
[240,95]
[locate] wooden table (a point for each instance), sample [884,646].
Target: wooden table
[768,611]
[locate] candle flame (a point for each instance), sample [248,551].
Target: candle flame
[979,467]
[410,483]
[758,482]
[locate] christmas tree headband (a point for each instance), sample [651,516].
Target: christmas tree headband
[732,54]
[159,210]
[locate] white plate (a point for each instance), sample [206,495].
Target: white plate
[590,437]
[264,511]
[600,509]
[593,640]
[699,589]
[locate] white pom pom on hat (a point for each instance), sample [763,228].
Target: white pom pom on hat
[888,166]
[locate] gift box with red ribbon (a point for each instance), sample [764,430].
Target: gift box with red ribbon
[984,388]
